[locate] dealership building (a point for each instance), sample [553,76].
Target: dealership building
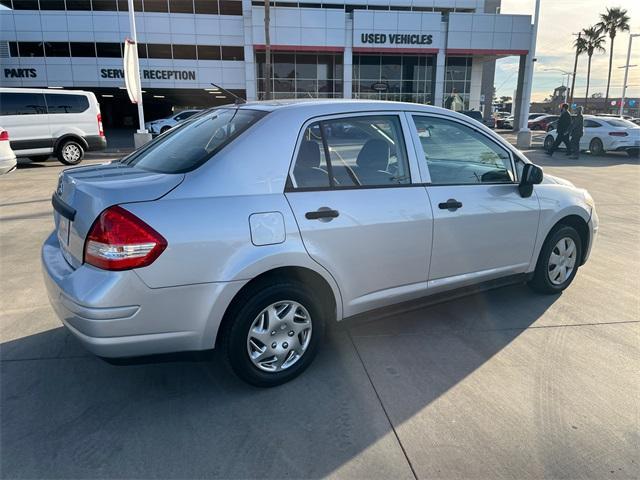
[437,52]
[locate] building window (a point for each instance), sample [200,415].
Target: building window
[78,4]
[25,5]
[52,5]
[105,5]
[56,49]
[181,6]
[108,50]
[457,83]
[406,78]
[301,75]
[156,50]
[230,7]
[208,52]
[156,6]
[232,53]
[13,49]
[206,6]
[83,49]
[184,52]
[30,49]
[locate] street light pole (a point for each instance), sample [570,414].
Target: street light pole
[134,37]
[626,73]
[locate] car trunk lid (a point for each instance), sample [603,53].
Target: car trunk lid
[84,192]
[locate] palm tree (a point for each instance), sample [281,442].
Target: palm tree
[590,42]
[613,21]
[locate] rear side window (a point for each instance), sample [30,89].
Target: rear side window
[22,104]
[190,144]
[62,103]
[591,124]
[619,122]
[363,151]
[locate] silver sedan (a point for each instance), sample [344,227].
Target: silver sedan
[249,228]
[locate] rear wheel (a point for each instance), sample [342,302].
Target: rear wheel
[39,158]
[70,152]
[273,333]
[558,261]
[548,142]
[164,129]
[596,147]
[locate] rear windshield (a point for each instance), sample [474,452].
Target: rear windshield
[190,144]
[619,122]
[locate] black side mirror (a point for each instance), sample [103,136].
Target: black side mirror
[531,175]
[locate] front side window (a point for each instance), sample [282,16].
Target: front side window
[457,154]
[366,151]
[190,144]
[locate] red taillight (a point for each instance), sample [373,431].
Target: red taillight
[4,135]
[618,134]
[118,240]
[100,129]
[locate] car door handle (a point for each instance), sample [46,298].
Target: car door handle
[321,213]
[451,204]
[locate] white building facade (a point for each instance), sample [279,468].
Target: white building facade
[425,51]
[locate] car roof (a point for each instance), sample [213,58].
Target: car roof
[337,104]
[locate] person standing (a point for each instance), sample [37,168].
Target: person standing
[577,130]
[563,128]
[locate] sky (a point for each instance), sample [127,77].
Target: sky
[559,19]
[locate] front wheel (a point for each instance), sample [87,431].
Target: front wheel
[273,334]
[70,153]
[596,147]
[558,261]
[634,152]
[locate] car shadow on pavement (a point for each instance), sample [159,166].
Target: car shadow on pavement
[68,414]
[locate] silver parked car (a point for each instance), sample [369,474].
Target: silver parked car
[248,228]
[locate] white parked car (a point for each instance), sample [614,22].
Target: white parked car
[605,134]
[250,227]
[157,127]
[45,122]
[7,156]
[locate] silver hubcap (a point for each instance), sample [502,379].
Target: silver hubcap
[562,261]
[71,153]
[279,336]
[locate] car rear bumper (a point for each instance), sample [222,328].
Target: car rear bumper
[7,164]
[115,314]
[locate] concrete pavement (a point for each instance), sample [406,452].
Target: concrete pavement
[503,384]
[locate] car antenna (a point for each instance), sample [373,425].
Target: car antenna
[238,100]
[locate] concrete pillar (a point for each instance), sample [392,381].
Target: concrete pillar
[438,93]
[487,90]
[251,82]
[517,99]
[476,84]
[347,67]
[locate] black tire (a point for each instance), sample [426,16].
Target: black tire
[243,313]
[541,281]
[548,142]
[634,152]
[596,147]
[70,152]
[39,158]
[164,129]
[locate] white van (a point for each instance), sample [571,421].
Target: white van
[42,122]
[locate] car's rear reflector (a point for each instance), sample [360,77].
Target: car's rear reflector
[4,135]
[118,240]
